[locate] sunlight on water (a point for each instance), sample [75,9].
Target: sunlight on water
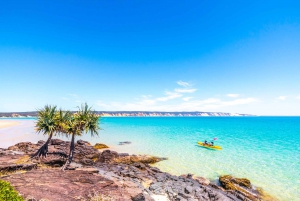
[262,149]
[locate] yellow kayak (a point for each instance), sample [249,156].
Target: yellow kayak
[209,146]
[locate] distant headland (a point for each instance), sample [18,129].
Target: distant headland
[135,114]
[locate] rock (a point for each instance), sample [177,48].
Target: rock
[137,159]
[81,142]
[125,142]
[188,189]
[201,180]
[108,156]
[53,184]
[86,161]
[100,146]
[56,142]
[14,148]
[241,186]
[138,197]
[123,154]
[91,170]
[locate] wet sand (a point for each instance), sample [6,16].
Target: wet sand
[8,123]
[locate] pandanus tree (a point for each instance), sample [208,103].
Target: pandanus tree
[50,121]
[81,122]
[46,123]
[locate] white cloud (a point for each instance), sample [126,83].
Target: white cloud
[170,96]
[281,98]
[185,90]
[74,95]
[187,98]
[233,95]
[179,103]
[298,97]
[184,84]
[64,98]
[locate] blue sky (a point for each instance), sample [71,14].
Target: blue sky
[222,56]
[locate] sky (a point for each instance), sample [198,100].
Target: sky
[211,56]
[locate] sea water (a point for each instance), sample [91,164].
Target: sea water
[265,150]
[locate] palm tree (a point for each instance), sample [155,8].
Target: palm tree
[46,123]
[81,122]
[50,122]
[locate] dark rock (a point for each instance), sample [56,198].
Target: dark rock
[123,154]
[188,189]
[108,156]
[125,142]
[139,197]
[57,142]
[81,142]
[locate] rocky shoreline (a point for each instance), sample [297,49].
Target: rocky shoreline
[110,175]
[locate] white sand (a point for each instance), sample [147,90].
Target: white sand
[5,123]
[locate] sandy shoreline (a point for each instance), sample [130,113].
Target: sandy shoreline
[5,123]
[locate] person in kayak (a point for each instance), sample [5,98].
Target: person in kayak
[205,142]
[212,143]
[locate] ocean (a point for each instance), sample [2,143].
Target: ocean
[265,150]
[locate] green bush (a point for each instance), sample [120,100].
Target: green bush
[8,193]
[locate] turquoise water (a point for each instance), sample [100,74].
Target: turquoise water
[265,150]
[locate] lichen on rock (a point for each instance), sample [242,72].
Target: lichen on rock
[100,146]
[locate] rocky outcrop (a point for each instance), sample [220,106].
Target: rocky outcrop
[243,189]
[56,185]
[123,176]
[100,146]
[145,180]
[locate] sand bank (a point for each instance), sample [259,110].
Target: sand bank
[8,123]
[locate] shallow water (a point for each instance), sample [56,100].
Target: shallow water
[265,150]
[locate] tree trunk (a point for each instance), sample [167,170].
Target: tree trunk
[71,153]
[44,149]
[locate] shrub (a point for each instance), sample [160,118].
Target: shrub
[8,193]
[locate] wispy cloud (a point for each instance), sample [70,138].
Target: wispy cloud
[233,95]
[184,84]
[281,98]
[175,101]
[170,96]
[185,90]
[298,97]
[64,98]
[187,98]
[74,95]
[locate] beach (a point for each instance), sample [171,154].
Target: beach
[8,123]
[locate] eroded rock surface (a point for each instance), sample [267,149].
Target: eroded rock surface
[56,185]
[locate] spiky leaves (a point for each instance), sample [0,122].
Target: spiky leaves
[83,121]
[50,121]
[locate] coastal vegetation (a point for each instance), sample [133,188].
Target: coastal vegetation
[51,121]
[8,193]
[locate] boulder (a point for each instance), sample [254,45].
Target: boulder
[108,156]
[57,142]
[100,146]
[125,142]
[82,142]
[201,180]
[241,186]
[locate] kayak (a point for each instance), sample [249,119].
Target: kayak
[208,146]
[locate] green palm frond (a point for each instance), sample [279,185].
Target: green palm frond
[46,120]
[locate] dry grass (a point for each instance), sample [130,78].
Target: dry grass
[23,159]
